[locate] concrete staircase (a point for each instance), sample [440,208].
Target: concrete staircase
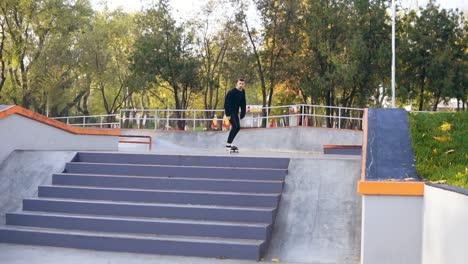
[221,207]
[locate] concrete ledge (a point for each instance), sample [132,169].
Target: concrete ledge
[342,149]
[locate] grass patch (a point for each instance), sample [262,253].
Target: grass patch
[440,145]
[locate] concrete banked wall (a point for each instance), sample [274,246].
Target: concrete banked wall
[445,231]
[163,204]
[23,129]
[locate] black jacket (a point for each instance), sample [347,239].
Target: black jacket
[234,99]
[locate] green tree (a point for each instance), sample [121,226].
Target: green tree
[27,25]
[432,56]
[269,46]
[163,54]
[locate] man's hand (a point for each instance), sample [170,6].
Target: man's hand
[228,117]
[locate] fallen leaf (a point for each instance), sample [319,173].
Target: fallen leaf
[449,151]
[275,260]
[439,181]
[446,126]
[442,139]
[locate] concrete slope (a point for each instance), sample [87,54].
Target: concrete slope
[320,212]
[23,171]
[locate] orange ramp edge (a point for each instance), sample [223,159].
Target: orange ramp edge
[51,122]
[390,188]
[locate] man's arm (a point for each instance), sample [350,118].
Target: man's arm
[243,105]
[227,106]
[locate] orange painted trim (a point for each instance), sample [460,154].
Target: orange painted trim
[342,146]
[391,188]
[51,122]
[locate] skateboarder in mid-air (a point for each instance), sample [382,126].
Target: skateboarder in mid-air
[234,100]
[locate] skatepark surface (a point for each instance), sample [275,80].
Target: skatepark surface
[319,218]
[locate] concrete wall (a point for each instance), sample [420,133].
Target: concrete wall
[391,229]
[445,236]
[18,132]
[278,139]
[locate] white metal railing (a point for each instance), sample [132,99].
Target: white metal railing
[201,119]
[101,121]
[276,116]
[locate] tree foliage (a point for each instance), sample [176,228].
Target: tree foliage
[63,58]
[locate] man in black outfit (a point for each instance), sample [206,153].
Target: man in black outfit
[234,100]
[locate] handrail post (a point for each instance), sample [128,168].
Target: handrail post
[302,114]
[84,121]
[167,118]
[267,124]
[156,119]
[100,124]
[194,117]
[339,117]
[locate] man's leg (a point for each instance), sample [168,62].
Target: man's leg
[235,123]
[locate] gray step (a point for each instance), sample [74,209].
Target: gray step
[152,244]
[160,196]
[164,183]
[176,171]
[184,160]
[155,226]
[195,212]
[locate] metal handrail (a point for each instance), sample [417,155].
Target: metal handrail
[193,119]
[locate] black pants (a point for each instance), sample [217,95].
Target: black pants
[235,123]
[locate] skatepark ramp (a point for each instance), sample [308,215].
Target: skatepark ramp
[222,207]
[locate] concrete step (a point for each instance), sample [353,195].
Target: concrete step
[166,183]
[183,160]
[176,171]
[160,196]
[156,226]
[153,244]
[157,210]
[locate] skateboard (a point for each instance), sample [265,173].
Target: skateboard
[233,149]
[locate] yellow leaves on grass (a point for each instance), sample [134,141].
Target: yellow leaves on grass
[442,139]
[439,181]
[446,126]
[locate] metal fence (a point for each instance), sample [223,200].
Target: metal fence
[101,121]
[212,120]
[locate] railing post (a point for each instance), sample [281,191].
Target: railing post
[302,114]
[156,119]
[100,124]
[267,123]
[194,118]
[339,117]
[167,118]
[120,118]
[68,121]
[84,121]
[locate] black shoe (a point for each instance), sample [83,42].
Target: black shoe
[234,148]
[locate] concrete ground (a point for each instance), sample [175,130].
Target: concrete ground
[318,222]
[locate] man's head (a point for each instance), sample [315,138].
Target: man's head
[240,83]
